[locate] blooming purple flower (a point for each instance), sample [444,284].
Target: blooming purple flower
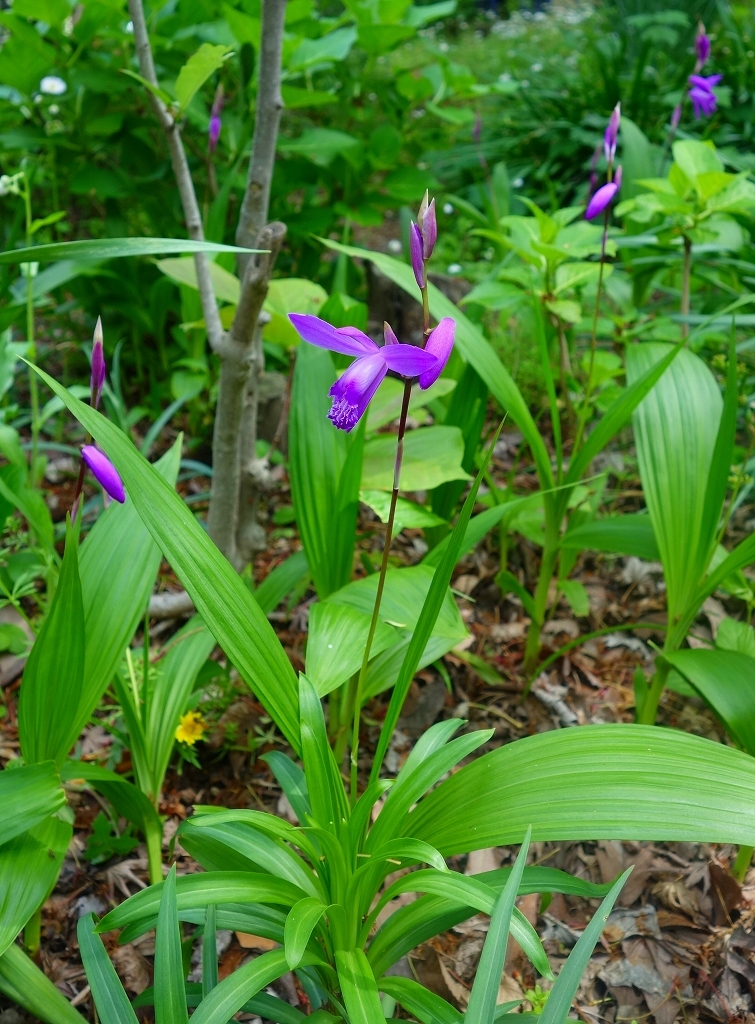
[612,134]
[104,472]
[601,200]
[416,247]
[97,378]
[354,389]
[702,46]
[702,95]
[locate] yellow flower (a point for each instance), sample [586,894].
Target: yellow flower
[191,728]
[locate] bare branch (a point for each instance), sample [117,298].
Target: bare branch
[182,174]
[255,206]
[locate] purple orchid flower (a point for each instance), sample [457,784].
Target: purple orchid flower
[97,378]
[603,197]
[353,390]
[702,95]
[416,248]
[702,46]
[612,134]
[428,225]
[213,133]
[104,472]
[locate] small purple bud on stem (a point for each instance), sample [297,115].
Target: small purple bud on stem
[97,378]
[676,116]
[702,46]
[617,177]
[213,133]
[427,223]
[104,472]
[601,200]
[416,246]
[612,134]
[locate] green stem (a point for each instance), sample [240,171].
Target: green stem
[33,932]
[154,839]
[593,341]
[686,274]
[742,863]
[547,565]
[32,351]
[359,696]
[657,686]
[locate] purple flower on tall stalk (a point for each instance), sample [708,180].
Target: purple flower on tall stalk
[422,238]
[603,197]
[354,389]
[97,378]
[702,46]
[612,134]
[702,95]
[215,122]
[104,472]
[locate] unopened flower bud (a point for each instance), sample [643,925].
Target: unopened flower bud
[676,116]
[416,253]
[702,46]
[104,472]
[428,225]
[98,365]
[617,177]
[612,134]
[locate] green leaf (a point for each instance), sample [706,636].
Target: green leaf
[110,248]
[281,581]
[695,158]
[183,271]
[484,995]
[675,430]
[194,891]
[472,346]
[232,993]
[170,1004]
[427,619]
[419,1001]
[622,535]
[54,674]
[323,465]
[432,455]
[198,68]
[28,795]
[321,145]
[112,1003]
[32,507]
[292,781]
[576,783]
[23,982]
[360,993]
[220,597]
[336,640]
[736,636]
[477,528]
[408,513]
[29,866]
[726,681]
[326,792]
[577,596]
[562,994]
[300,923]
[209,951]
[118,563]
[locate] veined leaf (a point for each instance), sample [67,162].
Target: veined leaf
[122,794]
[300,923]
[170,1004]
[110,248]
[228,997]
[292,781]
[329,806]
[221,598]
[204,62]
[281,581]
[113,1005]
[621,535]
[420,1001]
[576,783]
[336,640]
[23,982]
[360,993]
[27,796]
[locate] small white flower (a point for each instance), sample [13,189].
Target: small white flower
[51,85]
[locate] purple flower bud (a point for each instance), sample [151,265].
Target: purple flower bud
[702,46]
[676,116]
[104,472]
[477,130]
[601,200]
[429,229]
[617,177]
[215,122]
[97,378]
[612,134]
[416,246]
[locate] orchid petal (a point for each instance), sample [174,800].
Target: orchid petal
[104,472]
[408,360]
[346,340]
[389,335]
[439,344]
[602,199]
[354,389]
[415,251]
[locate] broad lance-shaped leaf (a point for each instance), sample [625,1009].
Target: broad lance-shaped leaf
[113,1005]
[54,674]
[29,866]
[170,1004]
[23,982]
[118,563]
[27,796]
[110,248]
[585,783]
[360,993]
[224,602]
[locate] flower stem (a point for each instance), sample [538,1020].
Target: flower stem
[686,274]
[380,587]
[593,339]
[32,350]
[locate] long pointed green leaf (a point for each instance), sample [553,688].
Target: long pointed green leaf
[122,794]
[419,1001]
[562,994]
[428,617]
[27,795]
[484,996]
[623,535]
[54,673]
[474,348]
[329,806]
[209,952]
[109,248]
[601,781]
[27,986]
[292,781]
[221,598]
[360,993]
[232,993]
[113,1005]
[300,923]
[170,1004]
